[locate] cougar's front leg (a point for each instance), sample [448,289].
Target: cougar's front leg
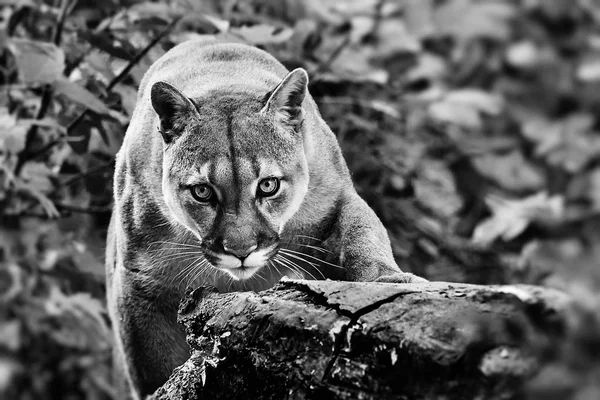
[366,253]
[150,343]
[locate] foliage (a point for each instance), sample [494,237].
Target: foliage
[469,126]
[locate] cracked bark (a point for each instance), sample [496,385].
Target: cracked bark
[358,340]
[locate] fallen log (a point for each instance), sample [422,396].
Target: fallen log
[348,340]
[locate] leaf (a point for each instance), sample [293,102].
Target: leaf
[589,70]
[149,9]
[12,138]
[263,34]
[80,319]
[465,19]
[418,17]
[511,217]
[47,122]
[455,113]
[20,3]
[482,145]
[463,107]
[480,100]
[8,369]
[104,41]
[435,187]
[195,17]
[429,66]
[391,36]
[569,142]
[11,282]
[524,54]
[10,334]
[511,171]
[79,139]
[101,63]
[386,108]
[38,62]
[38,175]
[202,23]
[80,95]
[128,97]
[13,131]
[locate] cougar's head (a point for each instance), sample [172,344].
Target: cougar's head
[234,168]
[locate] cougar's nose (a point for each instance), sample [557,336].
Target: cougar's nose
[239,252]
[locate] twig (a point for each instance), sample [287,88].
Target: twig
[64,8]
[142,54]
[372,35]
[67,208]
[332,57]
[15,19]
[18,86]
[26,154]
[116,80]
[84,210]
[351,101]
[90,171]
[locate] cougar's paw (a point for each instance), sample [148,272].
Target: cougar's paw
[401,277]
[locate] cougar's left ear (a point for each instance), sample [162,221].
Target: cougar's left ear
[173,108]
[286,100]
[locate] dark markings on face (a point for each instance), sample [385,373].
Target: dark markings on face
[255,166]
[234,164]
[230,144]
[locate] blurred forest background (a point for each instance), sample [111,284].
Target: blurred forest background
[471,127]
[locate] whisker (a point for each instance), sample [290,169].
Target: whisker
[196,246]
[285,263]
[175,251]
[259,276]
[202,268]
[299,267]
[207,269]
[185,273]
[178,255]
[312,264]
[272,265]
[230,282]
[309,237]
[314,258]
[319,249]
[315,266]
[188,270]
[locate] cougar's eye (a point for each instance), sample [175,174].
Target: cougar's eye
[268,187]
[202,192]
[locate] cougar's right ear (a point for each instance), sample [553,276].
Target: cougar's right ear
[173,108]
[285,102]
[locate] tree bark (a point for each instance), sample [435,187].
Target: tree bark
[364,340]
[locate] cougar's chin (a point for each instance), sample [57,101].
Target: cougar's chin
[234,267]
[242,273]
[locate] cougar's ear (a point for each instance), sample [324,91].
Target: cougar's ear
[173,109]
[285,101]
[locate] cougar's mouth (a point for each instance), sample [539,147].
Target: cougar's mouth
[243,268]
[242,272]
